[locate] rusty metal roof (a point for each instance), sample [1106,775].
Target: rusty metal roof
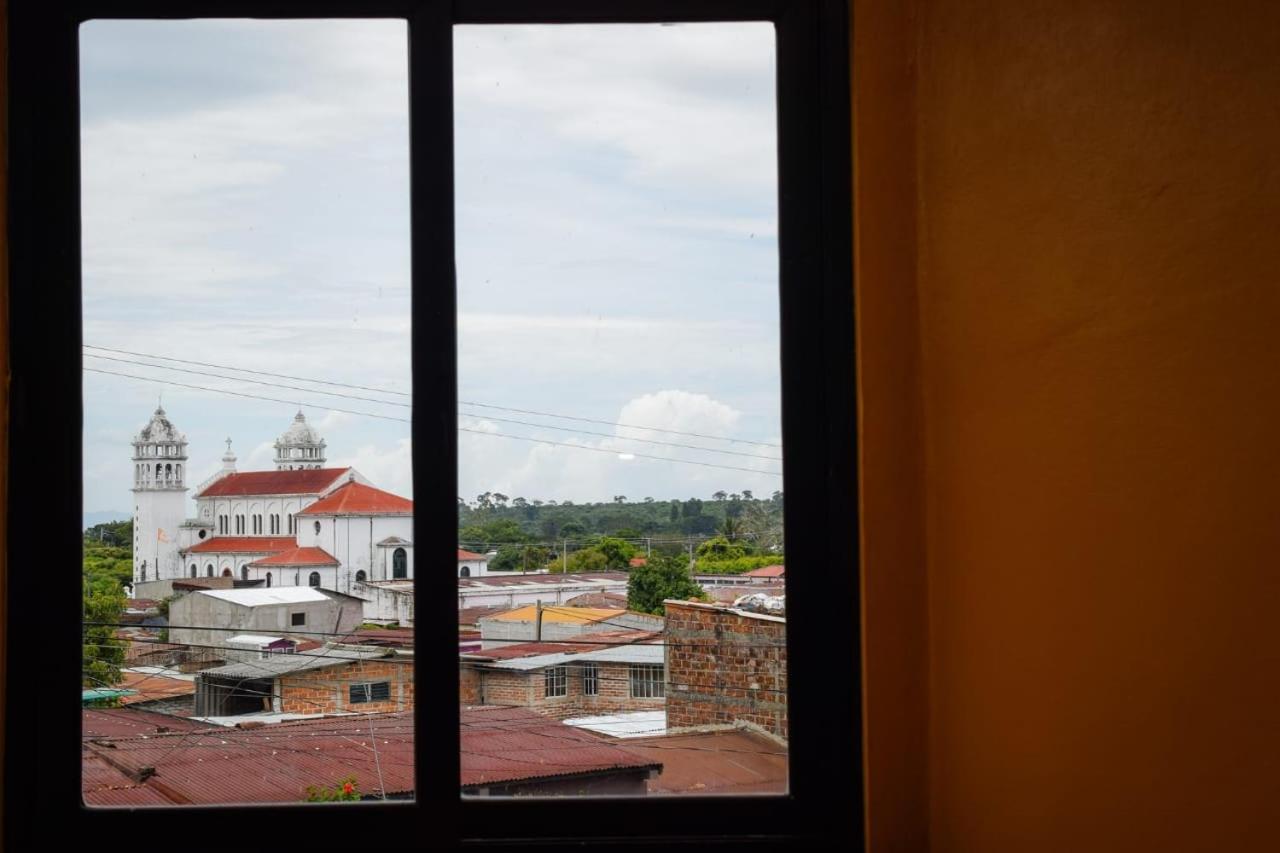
[276,763]
[732,761]
[501,745]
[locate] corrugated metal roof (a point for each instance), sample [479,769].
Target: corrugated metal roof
[267,595]
[502,745]
[571,615]
[254,639]
[277,665]
[634,653]
[275,763]
[733,761]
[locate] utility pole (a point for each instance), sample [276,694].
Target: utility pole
[648,547]
[564,552]
[537,636]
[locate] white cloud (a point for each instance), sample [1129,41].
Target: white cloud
[388,468]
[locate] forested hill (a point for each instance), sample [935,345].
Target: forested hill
[492,519]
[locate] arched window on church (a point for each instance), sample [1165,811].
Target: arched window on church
[268,578]
[244,573]
[168,473]
[177,471]
[313,580]
[208,570]
[144,570]
[360,576]
[226,573]
[399,564]
[193,570]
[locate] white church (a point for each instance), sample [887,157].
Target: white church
[301,524]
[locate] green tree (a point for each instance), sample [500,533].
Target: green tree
[587,560]
[103,651]
[720,548]
[617,552]
[663,576]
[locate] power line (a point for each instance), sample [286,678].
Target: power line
[461,402]
[409,406]
[621,452]
[406,420]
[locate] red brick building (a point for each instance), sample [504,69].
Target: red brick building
[725,666]
[599,674]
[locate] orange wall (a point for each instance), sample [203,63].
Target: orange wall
[1098,286]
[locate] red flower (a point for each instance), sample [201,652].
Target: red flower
[348,788]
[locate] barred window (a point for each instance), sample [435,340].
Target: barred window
[556,681]
[647,681]
[590,679]
[370,691]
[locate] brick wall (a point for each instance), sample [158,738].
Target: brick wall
[328,691]
[724,667]
[528,689]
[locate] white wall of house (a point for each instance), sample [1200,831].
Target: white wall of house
[354,541]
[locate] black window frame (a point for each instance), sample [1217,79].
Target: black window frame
[825,801]
[369,692]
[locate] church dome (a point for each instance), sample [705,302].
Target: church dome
[300,433]
[160,429]
[300,447]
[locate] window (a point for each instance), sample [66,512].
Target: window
[815,340]
[297,620]
[399,564]
[646,681]
[360,576]
[317,528]
[590,679]
[370,691]
[268,578]
[313,579]
[208,570]
[193,570]
[244,573]
[555,681]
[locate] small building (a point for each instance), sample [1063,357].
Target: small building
[473,565]
[327,681]
[725,666]
[620,671]
[540,622]
[386,601]
[247,647]
[514,589]
[283,612]
[767,574]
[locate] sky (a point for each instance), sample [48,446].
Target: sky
[246,205]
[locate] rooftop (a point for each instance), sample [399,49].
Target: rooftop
[533,580]
[311,481]
[502,745]
[767,572]
[729,761]
[244,545]
[298,557]
[259,596]
[570,615]
[278,665]
[358,499]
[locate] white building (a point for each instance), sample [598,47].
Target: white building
[299,525]
[298,614]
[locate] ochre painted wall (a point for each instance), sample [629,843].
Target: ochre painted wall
[1098,285]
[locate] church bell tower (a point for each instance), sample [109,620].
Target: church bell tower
[159,498]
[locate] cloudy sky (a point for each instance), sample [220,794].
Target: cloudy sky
[246,205]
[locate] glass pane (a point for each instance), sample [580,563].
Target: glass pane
[248,513]
[620,438]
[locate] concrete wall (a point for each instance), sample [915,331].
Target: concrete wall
[511,597]
[203,612]
[386,603]
[725,667]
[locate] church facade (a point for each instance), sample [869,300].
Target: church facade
[302,524]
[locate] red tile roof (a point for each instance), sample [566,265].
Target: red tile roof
[502,745]
[470,555]
[306,482]
[244,545]
[767,572]
[636,562]
[584,643]
[298,557]
[358,499]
